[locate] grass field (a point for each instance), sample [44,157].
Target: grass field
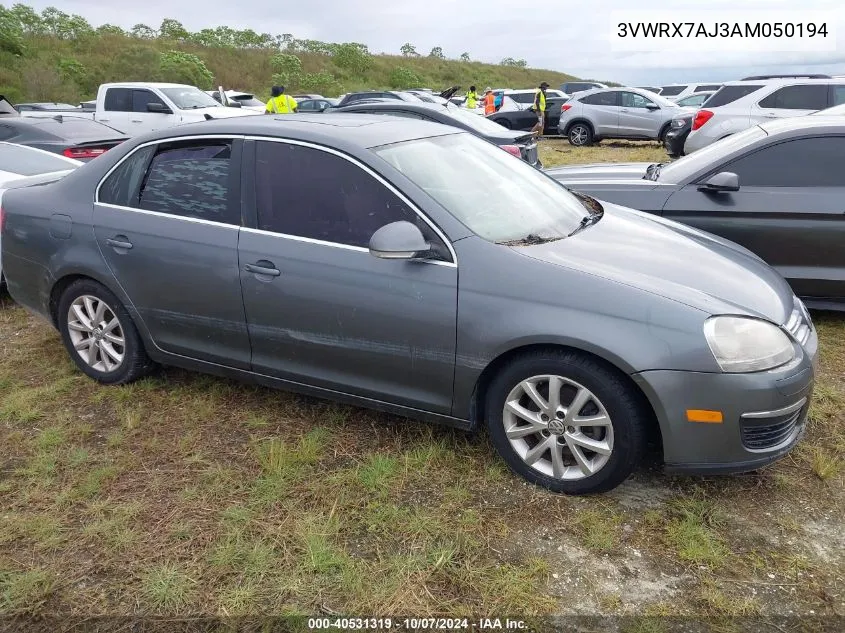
[184,494]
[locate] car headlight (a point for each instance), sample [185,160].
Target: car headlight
[742,344]
[678,123]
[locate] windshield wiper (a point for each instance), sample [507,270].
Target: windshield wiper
[653,171]
[586,221]
[530,240]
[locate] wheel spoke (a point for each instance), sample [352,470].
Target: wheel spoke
[597,446]
[92,354]
[81,317]
[558,467]
[83,344]
[105,358]
[99,313]
[521,412]
[78,326]
[530,389]
[555,384]
[583,462]
[111,325]
[109,351]
[581,398]
[90,311]
[111,338]
[590,420]
[537,452]
[515,432]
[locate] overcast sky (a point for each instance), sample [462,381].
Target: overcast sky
[568,35]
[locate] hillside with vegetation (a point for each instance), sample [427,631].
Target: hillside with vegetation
[54,56]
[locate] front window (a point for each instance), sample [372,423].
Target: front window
[190,98]
[497,196]
[680,170]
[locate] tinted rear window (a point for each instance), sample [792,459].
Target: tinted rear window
[729,94]
[801,97]
[707,87]
[25,161]
[77,129]
[671,91]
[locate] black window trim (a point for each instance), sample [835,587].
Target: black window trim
[330,150]
[234,194]
[781,87]
[724,166]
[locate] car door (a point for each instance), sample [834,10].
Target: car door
[638,115]
[321,310]
[167,220]
[603,111]
[143,120]
[788,210]
[791,101]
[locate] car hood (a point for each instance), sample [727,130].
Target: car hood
[599,171]
[673,261]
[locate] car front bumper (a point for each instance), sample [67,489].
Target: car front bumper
[763,414]
[674,141]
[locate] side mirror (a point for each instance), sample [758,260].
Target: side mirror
[323,106]
[399,240]
[159,108]
[723,181]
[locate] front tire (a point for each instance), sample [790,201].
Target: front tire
[566,422]
[580,135]
[99,334]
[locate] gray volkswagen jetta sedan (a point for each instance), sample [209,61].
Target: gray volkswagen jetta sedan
[416,269]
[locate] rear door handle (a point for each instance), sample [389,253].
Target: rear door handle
[119,241]
[136,121]
[263,268]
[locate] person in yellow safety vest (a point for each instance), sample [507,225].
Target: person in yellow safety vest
[472,98]
[279,102]
[540,108]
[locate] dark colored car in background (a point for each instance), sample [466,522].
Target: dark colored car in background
[676,135]
[519,144]
[77,138]
[416,269]
[394,95]
[527,119]
[776,188]
[316,105]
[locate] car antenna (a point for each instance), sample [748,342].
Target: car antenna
[59,118]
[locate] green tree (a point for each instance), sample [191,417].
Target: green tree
[30,21]
[464,57]
[322,82]
[287,69]
[72,70]
[144,32]
[185,68]
[110,29]
[409,50]
[11,33]
[510,61]
[437,52]
[353,57]
[403,77]
[171,29]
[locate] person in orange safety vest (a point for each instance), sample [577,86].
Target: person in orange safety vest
[489,102]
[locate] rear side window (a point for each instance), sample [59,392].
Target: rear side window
[806,162]
[601,99]
[707,87]
[123,184]
[800,97]
[522,97]
[729,94]
[191,181]
[118,100]
[671,91]
[838,95]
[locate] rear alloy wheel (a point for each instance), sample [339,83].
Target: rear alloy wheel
[566,422]
[580,135]
[99,334]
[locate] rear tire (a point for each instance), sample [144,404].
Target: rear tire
[544,440]
[580,135]
[99,334]
[661,136]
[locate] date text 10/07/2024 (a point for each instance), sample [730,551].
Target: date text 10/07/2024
[416,624]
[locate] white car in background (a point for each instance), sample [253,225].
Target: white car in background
[525,98]
[673,92]
[246,100]
[21,166]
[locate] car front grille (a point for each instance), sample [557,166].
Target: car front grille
[764,431]
[799,325]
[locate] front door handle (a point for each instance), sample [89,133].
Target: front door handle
[263,268]
[119,241]
[136,121]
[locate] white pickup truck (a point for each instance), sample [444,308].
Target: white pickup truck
[137,107]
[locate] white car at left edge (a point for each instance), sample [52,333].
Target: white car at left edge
[22,166]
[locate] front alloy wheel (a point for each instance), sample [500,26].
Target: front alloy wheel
[558,427]
[96,333]
[580,135]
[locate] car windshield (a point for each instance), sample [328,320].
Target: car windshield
[497,196]
[190,98]
[478,123]
[678,171]
[26,161]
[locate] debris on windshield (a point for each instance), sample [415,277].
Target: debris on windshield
[530,240]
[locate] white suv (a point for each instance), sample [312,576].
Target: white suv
[741,104]
[673,92]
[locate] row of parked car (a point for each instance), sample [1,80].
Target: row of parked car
[412,267]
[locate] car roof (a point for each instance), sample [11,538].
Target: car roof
[145,84]
[797,125]
[362,131]
[785,81]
